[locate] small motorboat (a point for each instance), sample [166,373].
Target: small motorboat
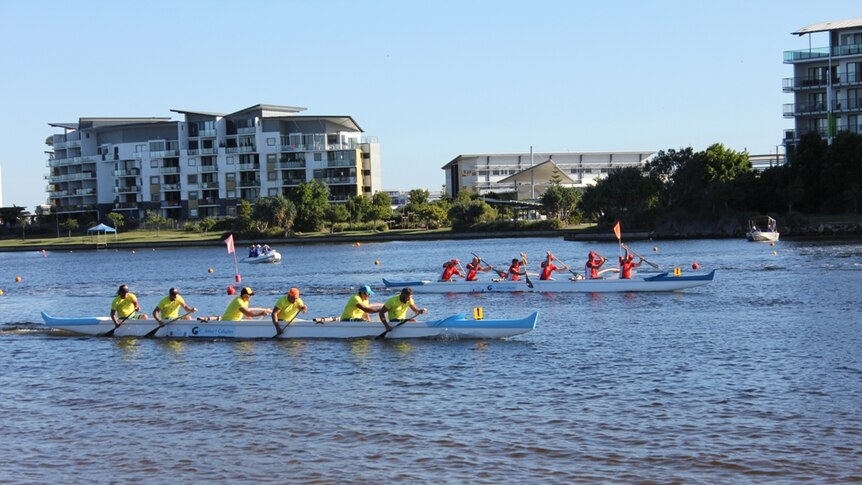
[762,229]
[272,256]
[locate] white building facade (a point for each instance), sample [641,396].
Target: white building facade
[483,173]
[826,83]
[205,164]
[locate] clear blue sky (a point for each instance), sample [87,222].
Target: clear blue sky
[430,79]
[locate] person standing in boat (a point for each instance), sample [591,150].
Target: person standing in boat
[627,264]
[358,308]
[474,267]
[450,270]
[169,307]
[396,307]
[125,306]
[238,308]
[287,308]
[548,267]
[594,262]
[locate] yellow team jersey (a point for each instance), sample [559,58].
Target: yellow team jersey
[232,312]
[396,309]
[351,311]
[171,309]
[124,306]
[288,310]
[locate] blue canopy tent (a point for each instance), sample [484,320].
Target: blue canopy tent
[103,230]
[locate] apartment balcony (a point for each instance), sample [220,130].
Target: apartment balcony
[339,180]
[87,191]
[166,204]
[791,84]
[169,170]
[295,164]
[209,201]
[341,163]
[125,205]
[139,155]
[204,134]
[170,187]
[193,152]
[209,151]
[242,149]
[246,131]
[127,189]
[822,53]
[243,167]
[165,154]
[249,183]
[72,176]
[791,110]
[74,208]
[208,168]
[73,143]
[847,105]
[209,185]
[60,162]
[132,172]
[58,193]
[338,198]
[292,181]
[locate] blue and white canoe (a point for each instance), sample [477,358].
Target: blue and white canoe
[455,327]
[657,282]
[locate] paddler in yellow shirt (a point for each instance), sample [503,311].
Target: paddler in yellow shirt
[238,307]
[169,307]
[397,307]
[358,308]
[287,308]
[125,306]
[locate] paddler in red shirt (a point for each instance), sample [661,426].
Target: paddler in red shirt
[548,267]
[594,262]
[515,268]
[450,269]
[473,268]
[627,264]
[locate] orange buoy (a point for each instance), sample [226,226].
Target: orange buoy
[231,290]
[1,292]
[655,249]
[17,279]
[695,265]
[210,270]
[356,244]
[377,262]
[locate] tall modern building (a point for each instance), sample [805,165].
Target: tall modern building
[529,175]
[204,164]
[826,82]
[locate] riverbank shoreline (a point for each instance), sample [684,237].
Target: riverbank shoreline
[823,231]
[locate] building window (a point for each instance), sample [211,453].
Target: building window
[193,162]
[230,177]
[154,180]
[231,211]
[271,176]
[270,142]
[318,157]
[230,160]
[154,164]
[193,195]
[193,178]
[231,194]
[273,192]
[193,212]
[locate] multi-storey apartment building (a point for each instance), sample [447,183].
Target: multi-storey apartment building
[206,163]
[826,83]
[530,174]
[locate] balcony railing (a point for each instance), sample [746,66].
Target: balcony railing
[341,163]
[208,201]
[165,154]
[169,170]
[293,181]
[242,149]
[791,110]
[209,185]
[249,166]
[71,176]
[296,164]
[193,152]
[132,172]
[339,180]
[171,203]
[245,130]
[125,205]
[822,52]
[170,187]
[127,189]
[208,168]
[249,183]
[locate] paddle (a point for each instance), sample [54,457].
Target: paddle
[110,333]
[402,322]
[655,266]
[165,324]
[526,276]
[280,330]
[566,266]
[502,274]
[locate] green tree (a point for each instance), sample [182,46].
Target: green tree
[276,211]
[311,200]
[624,195]
[559,201]
[24,219]
[381,208]
[116,219]
[433,216]
[206,224]
[244,220]
[468,211]
[662,169]
[155,219]
[336,213]
[417,197]
[70,225]
[358,206]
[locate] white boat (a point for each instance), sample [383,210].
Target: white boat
[272,256]
[455,326]
[762,229]
[637,283]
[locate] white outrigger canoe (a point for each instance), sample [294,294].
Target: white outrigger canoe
[455,326]
[658,282]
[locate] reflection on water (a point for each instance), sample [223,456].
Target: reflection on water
[754,378]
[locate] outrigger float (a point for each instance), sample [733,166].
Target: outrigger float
[659,282]
[455,327]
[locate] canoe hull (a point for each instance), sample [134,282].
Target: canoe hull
[762,236]
[661,282]
[455,326]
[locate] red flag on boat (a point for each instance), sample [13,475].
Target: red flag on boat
[617,231]
[229,242]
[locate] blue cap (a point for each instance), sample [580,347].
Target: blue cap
[366,289]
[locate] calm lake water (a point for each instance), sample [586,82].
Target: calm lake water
[754,378]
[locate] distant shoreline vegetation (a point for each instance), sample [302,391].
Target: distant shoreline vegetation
[678,193]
